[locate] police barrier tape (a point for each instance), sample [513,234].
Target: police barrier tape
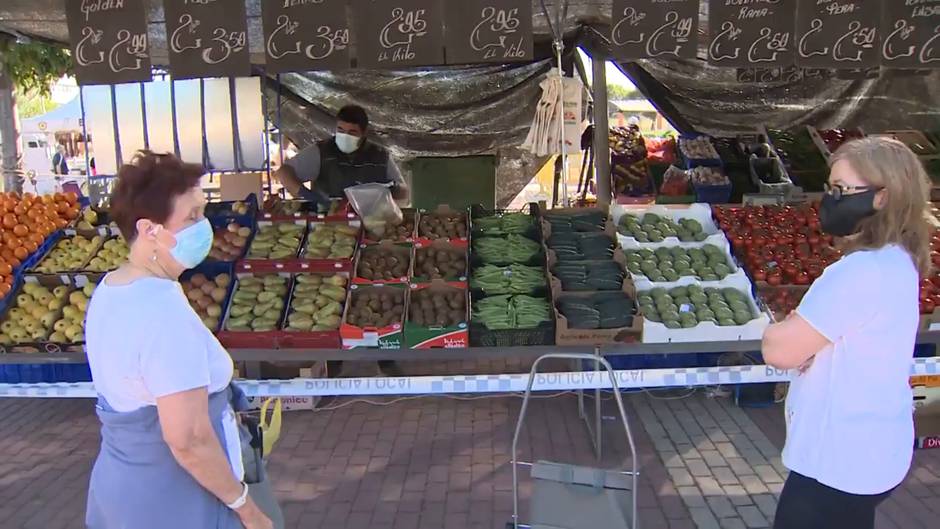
[505,383]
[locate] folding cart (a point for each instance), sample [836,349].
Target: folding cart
[575,497]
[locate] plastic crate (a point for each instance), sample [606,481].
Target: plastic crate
[44,373]
[224,210]
[719,194]
[689,163]
[480,336]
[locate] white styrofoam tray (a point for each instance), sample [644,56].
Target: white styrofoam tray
[718,240]
[700,212]
[654,332]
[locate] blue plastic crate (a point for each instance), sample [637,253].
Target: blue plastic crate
[210,269]
[689,163]
[719,194]
[44,373]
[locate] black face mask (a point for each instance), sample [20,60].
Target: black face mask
[840,217]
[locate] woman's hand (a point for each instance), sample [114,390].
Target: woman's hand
[252,517]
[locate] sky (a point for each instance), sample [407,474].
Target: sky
[614,75]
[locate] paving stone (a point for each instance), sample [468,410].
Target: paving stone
[687,451]
[713,458]
[691,496]
[775,488]
[681,477]
[698,468]
[752,517]
[672,460]
[731,523]
[709,486]
[768,449]
[737,495]
[753,485]
[703,518]
[727,450]
[740,466]
[767,474]
[702,442]
[767,504]
[725,476]
[721,506]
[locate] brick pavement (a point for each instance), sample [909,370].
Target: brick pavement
[443,463]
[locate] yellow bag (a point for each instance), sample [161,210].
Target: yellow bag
[271,431]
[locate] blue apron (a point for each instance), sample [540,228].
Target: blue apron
[136,482]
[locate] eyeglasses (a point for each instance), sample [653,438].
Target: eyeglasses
[837,191]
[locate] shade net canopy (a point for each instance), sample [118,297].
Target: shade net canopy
[463,110]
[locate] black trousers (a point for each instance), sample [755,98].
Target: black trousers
[808,504]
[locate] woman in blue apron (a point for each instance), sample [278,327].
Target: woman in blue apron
[170,449]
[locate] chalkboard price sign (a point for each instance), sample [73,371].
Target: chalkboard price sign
[398,33]
[478,31]
[654,28]
[752,33]
[304,35]
[207,38]
[109,41]
[910,33]
[839,34]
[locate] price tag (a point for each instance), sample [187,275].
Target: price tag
[685,308]
[109,41]
[479,31]
[398,33]
[909,34]
[653,28]
[305,35]
[837,33]
[207,38]
[757,33]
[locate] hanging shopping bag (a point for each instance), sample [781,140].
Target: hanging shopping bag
[271,430]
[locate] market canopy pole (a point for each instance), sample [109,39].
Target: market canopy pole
[601,145]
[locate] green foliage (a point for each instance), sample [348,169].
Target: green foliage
[33,104]
[617,92]
[34,66]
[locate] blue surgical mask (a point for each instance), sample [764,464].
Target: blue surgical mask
[193,244]
[347,142]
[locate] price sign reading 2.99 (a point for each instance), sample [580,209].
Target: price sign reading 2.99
[654,28]
[109,40]
[488,31]
[398,33]
[840,34]
[304,35]
[751,33]
[207,38]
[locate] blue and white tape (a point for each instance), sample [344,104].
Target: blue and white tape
[505,383]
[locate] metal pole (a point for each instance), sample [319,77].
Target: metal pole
[601,145]
[559,49]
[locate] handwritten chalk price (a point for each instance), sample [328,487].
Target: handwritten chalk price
[400,32]
[729,33]
[500,23]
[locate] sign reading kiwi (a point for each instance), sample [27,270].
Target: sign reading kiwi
[109,41]
[910,33]
[488,31]
[207,38]
[654,28]
[399,33]
[305,35]
[754,33]
[838,33]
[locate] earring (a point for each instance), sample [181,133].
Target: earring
[153,257]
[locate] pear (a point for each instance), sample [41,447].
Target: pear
[60,292]
[5,340]
[58,337]
[38,311]
[39,335]
[56,304]
[18,335]
[7,326]
[72,331]
[76,297]
[48,319]
[89,289]
[61,325]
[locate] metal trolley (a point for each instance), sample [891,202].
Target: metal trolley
[575,497]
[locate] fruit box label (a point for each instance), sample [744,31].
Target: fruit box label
[386,338]
[418,337]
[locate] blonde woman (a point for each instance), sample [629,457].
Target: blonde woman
[850,432]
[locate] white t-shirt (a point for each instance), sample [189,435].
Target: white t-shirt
[144,341]
[849,416]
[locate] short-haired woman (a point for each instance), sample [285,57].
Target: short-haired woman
[170,452]
[850,432]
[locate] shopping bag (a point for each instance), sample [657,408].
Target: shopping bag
[270,429]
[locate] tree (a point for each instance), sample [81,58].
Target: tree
[24,67]
[616,92]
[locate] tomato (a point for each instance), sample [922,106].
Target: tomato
[775,279]
[760,275]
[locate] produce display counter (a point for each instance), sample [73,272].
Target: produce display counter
[444,355]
